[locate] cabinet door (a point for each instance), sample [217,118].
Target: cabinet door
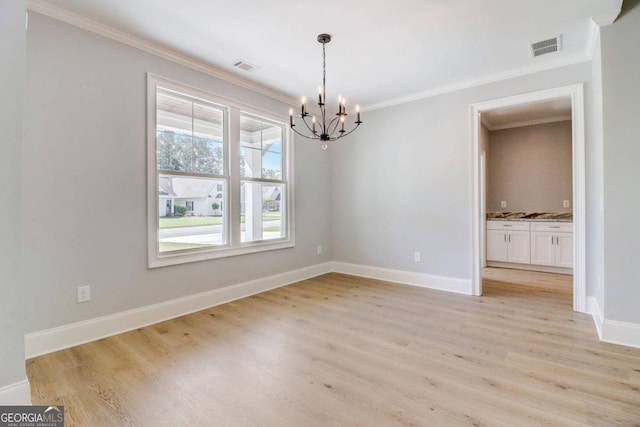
[543,248]
[496,245]
[519,248]
[564,250]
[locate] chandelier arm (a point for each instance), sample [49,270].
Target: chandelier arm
[307,125]
[347,133]
[302,134]
[335,121]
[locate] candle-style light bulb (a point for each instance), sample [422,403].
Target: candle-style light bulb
[358,111]
[342,122]
[291,116]
[313,123]
[304,101]
[319,94]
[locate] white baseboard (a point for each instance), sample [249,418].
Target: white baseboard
[16,394]
[66,336]
[593,308]
[621,333]
[530,267]
[613,331]
[442,283]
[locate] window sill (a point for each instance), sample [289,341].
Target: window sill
[185,257]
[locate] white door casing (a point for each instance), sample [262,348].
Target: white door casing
[576,94]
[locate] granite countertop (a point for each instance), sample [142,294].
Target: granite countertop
[531,216]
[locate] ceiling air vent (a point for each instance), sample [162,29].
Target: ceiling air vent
[545,46]
[244,65]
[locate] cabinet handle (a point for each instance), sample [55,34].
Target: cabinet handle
[505,237]
[509,237]
[554,226]
[507,225]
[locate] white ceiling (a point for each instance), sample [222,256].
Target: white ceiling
[381,51]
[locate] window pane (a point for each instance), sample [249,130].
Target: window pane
[272,137]
[261,148]
[191,213]
[272,165]
[250,162]
[208,156]
[274,146]
[189,135]
[173,114]
[261,209]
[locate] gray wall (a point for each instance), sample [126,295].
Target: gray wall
[621,118]
[402,182]
[12,295]
[530,168]
[84,182]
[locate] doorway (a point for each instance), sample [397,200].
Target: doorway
[575,94]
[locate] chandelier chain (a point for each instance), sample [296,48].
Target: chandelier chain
[324,69]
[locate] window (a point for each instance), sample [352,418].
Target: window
[219,176]
[262,186]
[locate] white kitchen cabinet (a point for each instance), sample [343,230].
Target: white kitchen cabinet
[519,247]
[542,248]
[508,241]
[497,247]
[552,244]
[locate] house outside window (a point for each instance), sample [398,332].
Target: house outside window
[219,175]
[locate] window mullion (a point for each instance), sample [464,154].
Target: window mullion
[234,175]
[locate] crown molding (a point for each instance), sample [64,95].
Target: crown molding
[60,14]
[479,81]
[607,12]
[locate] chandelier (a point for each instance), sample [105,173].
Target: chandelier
[324,128]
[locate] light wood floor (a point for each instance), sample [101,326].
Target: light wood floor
[344,351]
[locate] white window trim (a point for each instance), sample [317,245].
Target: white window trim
[231,207]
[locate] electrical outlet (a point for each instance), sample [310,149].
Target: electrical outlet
[319,250]
[565,203]
[416,256]
[503,204]
[84,293]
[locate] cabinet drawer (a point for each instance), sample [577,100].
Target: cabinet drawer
[507,225]
[554,227]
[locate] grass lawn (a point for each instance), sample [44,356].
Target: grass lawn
[189,221]
[172,246]
[193,221]
[270,216]
[271,229]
